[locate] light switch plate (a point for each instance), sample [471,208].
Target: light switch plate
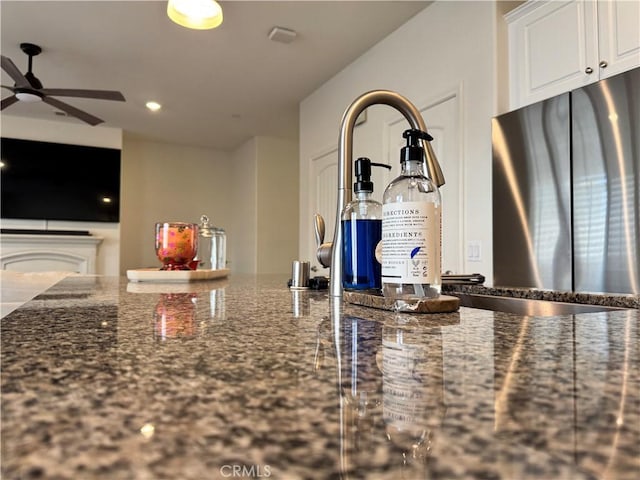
[474,251]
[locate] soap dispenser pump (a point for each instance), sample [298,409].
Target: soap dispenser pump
[362,226]
[411,228]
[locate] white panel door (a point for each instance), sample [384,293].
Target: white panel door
[442,119]
[323,195]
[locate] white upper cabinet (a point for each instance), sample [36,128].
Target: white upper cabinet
[618,36]
[557,46]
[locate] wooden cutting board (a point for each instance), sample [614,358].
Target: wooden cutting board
[442,304]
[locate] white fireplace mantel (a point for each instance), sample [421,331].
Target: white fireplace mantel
[40,253]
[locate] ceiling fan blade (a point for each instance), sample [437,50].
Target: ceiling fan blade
[73,111]
[8,101]
[17,76]
[71,92]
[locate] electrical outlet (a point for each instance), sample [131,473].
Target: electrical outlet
[474,251]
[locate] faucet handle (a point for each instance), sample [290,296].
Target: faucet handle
[323,253]
[318,228]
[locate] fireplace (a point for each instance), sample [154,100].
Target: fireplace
[42,252]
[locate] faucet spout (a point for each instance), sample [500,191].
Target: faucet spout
[345,164]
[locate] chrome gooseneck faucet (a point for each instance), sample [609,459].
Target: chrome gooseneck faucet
[345,165]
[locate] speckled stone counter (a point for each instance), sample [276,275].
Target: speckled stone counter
[243,378]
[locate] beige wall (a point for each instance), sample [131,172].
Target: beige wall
[244,224]
[278,206]
[237,191]
[165,182]
[265,200]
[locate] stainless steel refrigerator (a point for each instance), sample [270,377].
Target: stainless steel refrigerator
[566,190]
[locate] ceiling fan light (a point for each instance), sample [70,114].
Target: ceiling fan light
[28,97]
[195,14]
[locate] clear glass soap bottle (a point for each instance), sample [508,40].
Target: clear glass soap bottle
[362,227]
[411,228]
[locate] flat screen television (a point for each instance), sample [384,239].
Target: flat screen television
[55,181]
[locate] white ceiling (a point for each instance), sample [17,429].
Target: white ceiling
[217,87]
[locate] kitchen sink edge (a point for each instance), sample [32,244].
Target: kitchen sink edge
[494,298]
[529,307]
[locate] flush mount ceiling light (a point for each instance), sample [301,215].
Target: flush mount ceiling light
[196,14]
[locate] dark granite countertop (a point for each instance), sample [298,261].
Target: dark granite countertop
[243,378]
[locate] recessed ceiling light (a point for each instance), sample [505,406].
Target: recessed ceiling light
[153,106]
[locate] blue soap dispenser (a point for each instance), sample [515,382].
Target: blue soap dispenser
[362,227]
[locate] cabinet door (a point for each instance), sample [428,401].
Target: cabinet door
[552,49]
[619,37]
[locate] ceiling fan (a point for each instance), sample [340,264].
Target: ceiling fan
[29,89]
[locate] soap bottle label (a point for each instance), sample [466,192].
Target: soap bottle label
[408,255]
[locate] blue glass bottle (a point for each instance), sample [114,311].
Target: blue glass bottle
[361,269]
[362,227]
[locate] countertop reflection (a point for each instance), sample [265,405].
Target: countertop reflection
[244,378]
